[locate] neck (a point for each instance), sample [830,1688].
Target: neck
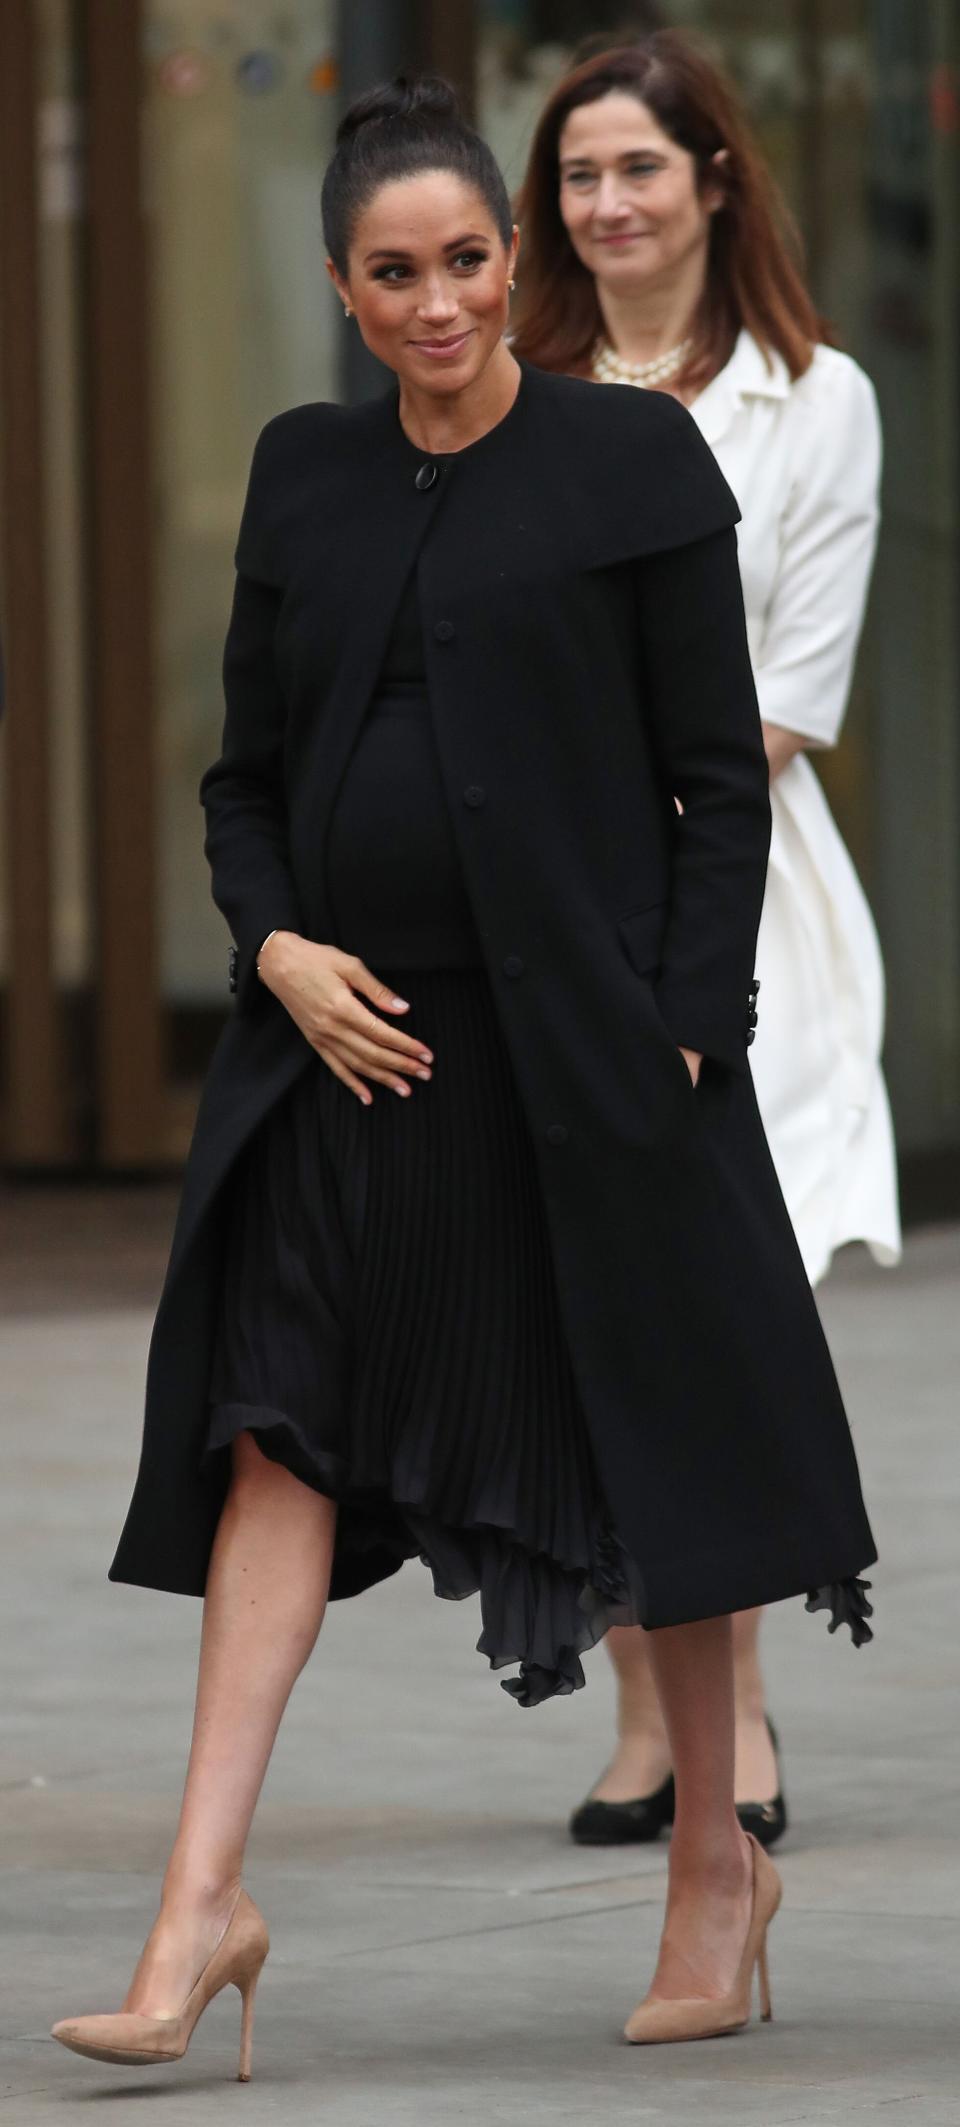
[441,423]
[641,324]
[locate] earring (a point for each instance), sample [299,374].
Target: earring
[511,285]
[347,312]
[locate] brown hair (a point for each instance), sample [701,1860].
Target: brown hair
[754,279]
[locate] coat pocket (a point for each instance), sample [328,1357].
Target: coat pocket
[641,934]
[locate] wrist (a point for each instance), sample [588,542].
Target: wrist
[275,954]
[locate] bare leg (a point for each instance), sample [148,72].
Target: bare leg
[641,1760]
[755,1778]
[710,1884]
[264,1605]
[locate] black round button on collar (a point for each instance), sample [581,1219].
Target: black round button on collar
[557,1133]
[474,796]
[513,966]
[444,631]
[427,476]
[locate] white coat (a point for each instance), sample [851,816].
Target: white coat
[803,460]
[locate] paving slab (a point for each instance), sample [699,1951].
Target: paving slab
[441,1953]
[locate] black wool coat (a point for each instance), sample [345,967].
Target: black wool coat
[588,666]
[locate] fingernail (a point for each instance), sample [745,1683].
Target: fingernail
[404,1092]
[399,1004]
[427,1055]
[365,1099]
[424,1074]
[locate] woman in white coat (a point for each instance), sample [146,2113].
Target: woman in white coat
[654,255]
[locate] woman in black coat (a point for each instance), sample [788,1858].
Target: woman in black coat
[481,1253]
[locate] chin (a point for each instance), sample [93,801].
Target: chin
[630,280]
[444,378]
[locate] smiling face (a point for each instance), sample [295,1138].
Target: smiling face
[629,197]
[428,277]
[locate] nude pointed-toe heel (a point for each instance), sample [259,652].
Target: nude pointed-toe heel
[665,2022]
[146,2041]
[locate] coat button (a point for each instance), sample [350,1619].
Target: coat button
[557,1133]
[474,796]
[444,631]
[427,477]
[513,966]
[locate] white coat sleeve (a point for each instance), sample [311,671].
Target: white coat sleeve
[828,535]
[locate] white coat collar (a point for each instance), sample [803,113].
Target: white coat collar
[749,374]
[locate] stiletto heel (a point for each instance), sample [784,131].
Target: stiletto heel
[662,2022]
[247,1992]
[766,2006]
[145,2041]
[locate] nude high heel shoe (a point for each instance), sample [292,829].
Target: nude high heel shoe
[145,2041]
[663,2022]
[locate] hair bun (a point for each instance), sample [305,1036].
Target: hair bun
[423,96]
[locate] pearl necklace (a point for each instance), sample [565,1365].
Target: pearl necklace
[610,368]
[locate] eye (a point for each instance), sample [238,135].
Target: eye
[390,273]
[468,261]
[643,169]
[579,177]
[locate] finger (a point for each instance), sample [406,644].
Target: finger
[345,1075]
[366,1056]
[380,1068]
[355,1019]
[369,985]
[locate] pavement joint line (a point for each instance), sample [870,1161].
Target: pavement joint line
[501,1927]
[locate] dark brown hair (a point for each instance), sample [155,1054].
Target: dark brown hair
[401,129]
[754,277]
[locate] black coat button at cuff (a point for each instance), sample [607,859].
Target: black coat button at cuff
[232,959]
[513,966]
[474,796]
[751,1036]
[427,477]
[444,631]
[557,1133]
[754,986]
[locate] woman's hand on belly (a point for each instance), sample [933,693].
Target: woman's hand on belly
[323,990]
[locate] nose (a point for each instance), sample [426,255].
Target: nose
[610,204]
[439,302]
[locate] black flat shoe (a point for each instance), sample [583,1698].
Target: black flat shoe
[623,1823]
[767,1820]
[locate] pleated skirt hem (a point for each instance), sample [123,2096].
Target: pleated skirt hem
[538,1612]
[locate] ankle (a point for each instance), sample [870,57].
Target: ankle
[200,1899]
[645,1735]
[719,1861]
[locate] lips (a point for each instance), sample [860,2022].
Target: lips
[441,350]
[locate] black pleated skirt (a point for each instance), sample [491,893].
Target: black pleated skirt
[390,1331]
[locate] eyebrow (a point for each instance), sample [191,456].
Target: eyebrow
[397,251]
[586,162]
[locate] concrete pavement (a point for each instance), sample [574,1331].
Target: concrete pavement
[441,1953]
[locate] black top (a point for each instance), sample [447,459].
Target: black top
[394,872]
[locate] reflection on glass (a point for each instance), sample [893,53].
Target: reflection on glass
[239,118]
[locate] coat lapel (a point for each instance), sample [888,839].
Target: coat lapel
[746,376]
